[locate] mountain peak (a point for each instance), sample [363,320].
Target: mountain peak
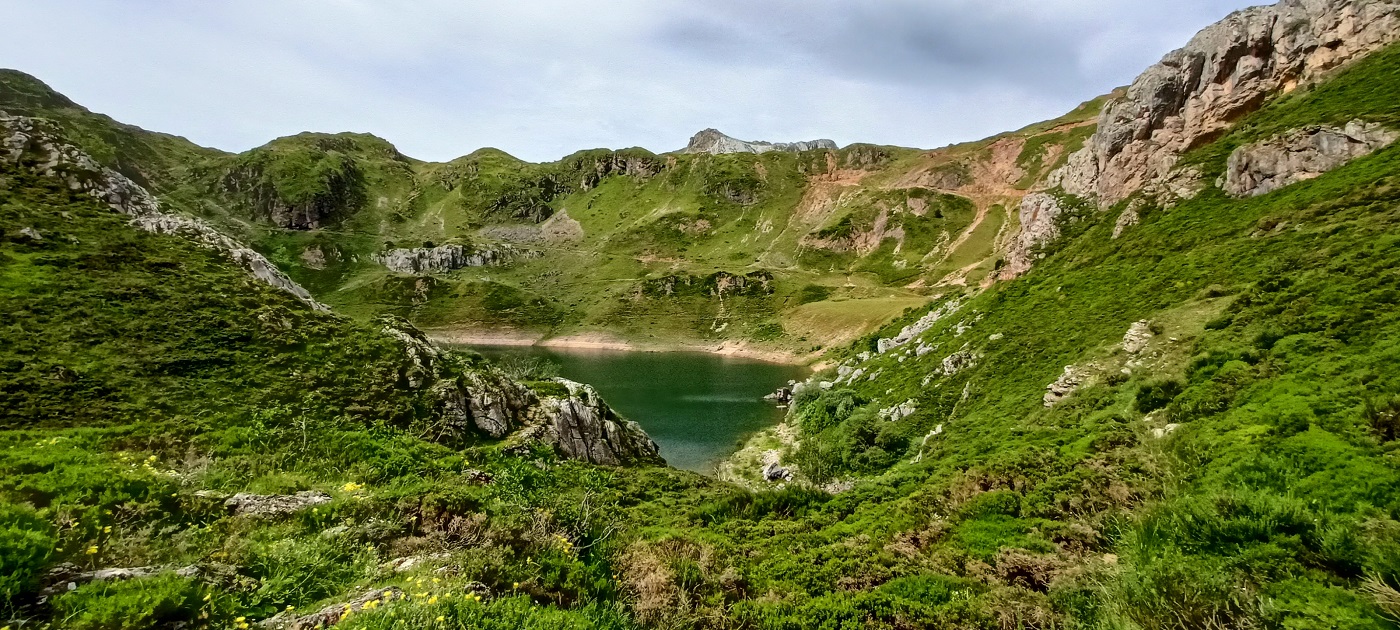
[715,142]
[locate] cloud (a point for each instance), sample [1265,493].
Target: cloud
[543,78]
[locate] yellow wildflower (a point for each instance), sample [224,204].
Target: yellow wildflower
[441,618]
[92,550]
[436,581]
[240,619]
[432,600]
[107,529]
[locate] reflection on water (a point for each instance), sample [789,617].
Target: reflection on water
[696,406]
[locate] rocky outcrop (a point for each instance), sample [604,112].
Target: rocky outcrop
[36,144]
[1137,337]
[899,412]
[1226,71]
[1040,216]
[1068,382]
[244,504]
[581,426]
[720,285]
[1301,154]
[912,331]
[578,423]
[774,472]
[958,361]
[308,181]
[444,258]
[713,142]
[468,400]
[1128,218]
[335,613]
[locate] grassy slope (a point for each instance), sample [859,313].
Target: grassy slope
[690,215]
[1274,504]
[138,370]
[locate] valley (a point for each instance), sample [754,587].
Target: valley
[1133,368]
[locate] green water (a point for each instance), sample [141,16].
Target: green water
[696,406]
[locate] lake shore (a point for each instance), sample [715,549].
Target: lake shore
[603,341]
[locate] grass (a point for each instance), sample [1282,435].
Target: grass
[131,386]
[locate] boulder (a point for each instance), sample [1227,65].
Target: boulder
[1063,386]
[773,472]
[244,504]
[899,412]
[1301,154]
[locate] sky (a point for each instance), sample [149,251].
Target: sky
[543,78]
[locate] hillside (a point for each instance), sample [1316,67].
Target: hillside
[833,242]
[1131,369]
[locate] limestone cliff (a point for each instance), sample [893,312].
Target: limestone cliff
[714,142]
[1226,71]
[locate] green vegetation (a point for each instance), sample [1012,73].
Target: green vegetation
[1239,470]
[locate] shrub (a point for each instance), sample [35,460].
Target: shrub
[163,600]
[1383,416]
[1155,395]
[813,293]
[26,541]
[527,368]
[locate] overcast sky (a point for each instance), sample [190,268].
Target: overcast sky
[543,78]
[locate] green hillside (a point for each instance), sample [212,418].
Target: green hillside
[863,224]
[1192,424]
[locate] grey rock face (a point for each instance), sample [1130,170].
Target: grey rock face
[1227,70]
[34,144]
[467,398]
[912,331]
[243,504]
[713,142]
[1301,154]
[582,426]
[1040,214]
[444,258]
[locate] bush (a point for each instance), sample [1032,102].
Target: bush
[1155,395]
[145,603]
[26,541]
[527,368]
[813,293]
[1383,416]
